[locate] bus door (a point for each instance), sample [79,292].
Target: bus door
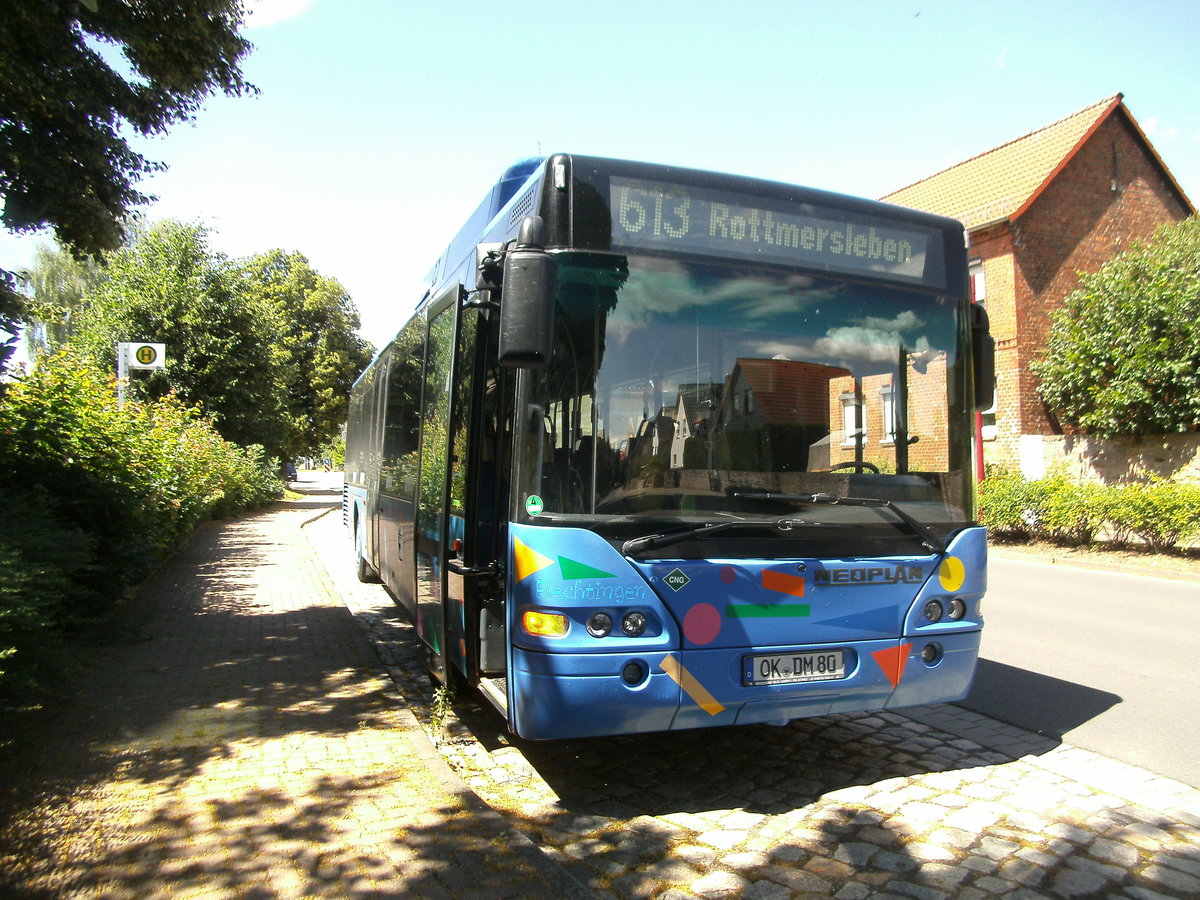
[432,521]
[474,647]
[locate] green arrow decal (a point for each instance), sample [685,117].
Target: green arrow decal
[576,571]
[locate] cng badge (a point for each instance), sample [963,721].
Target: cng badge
[676,580]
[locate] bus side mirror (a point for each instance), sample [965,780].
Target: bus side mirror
[983,358]
[527,300]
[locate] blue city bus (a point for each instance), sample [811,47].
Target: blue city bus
[665,449]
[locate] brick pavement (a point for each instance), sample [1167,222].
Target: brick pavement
[244,741]
[248,741]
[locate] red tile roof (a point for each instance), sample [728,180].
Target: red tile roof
[1001,184]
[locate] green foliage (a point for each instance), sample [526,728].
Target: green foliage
[317,350]
[44,565]
[1073,513]
[95,496]
[12,311]
[168,286]
[268,346]
[67,103]
[77,78]
[1123,356]
[1163,515]
[59,284]
[334,450]
[1009,505]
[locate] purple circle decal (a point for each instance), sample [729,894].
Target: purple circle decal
[728,575]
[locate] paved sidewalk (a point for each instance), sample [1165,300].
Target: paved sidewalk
[248,743]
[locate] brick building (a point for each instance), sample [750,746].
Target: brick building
[1038,210]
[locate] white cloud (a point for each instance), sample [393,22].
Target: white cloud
[272,12]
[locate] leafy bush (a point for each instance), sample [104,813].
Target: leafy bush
[1073,513]
[1163,515]
[95,496]
[1009,506]
[1123,355]
[44,568]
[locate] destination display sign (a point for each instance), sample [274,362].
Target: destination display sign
[659,215]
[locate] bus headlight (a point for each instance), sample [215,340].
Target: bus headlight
[958,609]
[933,611]
[599,625]
[544,624]
[633,624]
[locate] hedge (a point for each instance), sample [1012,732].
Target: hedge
[95,496]
[1161,515]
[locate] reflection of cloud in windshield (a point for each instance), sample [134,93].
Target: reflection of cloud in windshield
[874,339]
[780,350]
[671,287]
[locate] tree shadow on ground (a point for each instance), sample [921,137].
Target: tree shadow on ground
[248,742]
[872,800]
[876,800]
[324,841]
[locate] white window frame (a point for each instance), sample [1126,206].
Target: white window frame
[851,405]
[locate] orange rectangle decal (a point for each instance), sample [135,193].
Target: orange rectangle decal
[783,583]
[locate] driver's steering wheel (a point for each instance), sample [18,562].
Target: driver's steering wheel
[858,466]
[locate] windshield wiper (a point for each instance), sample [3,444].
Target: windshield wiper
[666,538]
[929,538]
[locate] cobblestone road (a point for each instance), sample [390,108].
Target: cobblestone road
[937,803]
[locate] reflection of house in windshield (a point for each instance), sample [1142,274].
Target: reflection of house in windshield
[779,416]
[764,419]
[695,411]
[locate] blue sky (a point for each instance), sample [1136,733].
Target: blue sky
[381,123]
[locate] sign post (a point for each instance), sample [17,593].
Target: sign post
[137,355]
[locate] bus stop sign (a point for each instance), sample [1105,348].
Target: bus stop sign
[144,355]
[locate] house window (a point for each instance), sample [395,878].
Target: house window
[887,402]
[987,429]
[978,281]
[854,423]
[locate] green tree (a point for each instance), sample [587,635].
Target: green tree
[1123,356]
[12,311]
[169,286]
[318,350]
[79,77]
[58,283]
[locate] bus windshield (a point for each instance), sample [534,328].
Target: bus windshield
[687,392]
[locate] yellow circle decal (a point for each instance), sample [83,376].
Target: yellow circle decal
[952,573]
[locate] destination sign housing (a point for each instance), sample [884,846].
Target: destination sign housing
[659,215]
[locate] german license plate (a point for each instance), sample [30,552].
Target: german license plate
[792,668]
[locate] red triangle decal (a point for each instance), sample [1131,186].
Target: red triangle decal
[892,662]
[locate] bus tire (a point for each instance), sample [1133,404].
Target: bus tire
[365,572]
